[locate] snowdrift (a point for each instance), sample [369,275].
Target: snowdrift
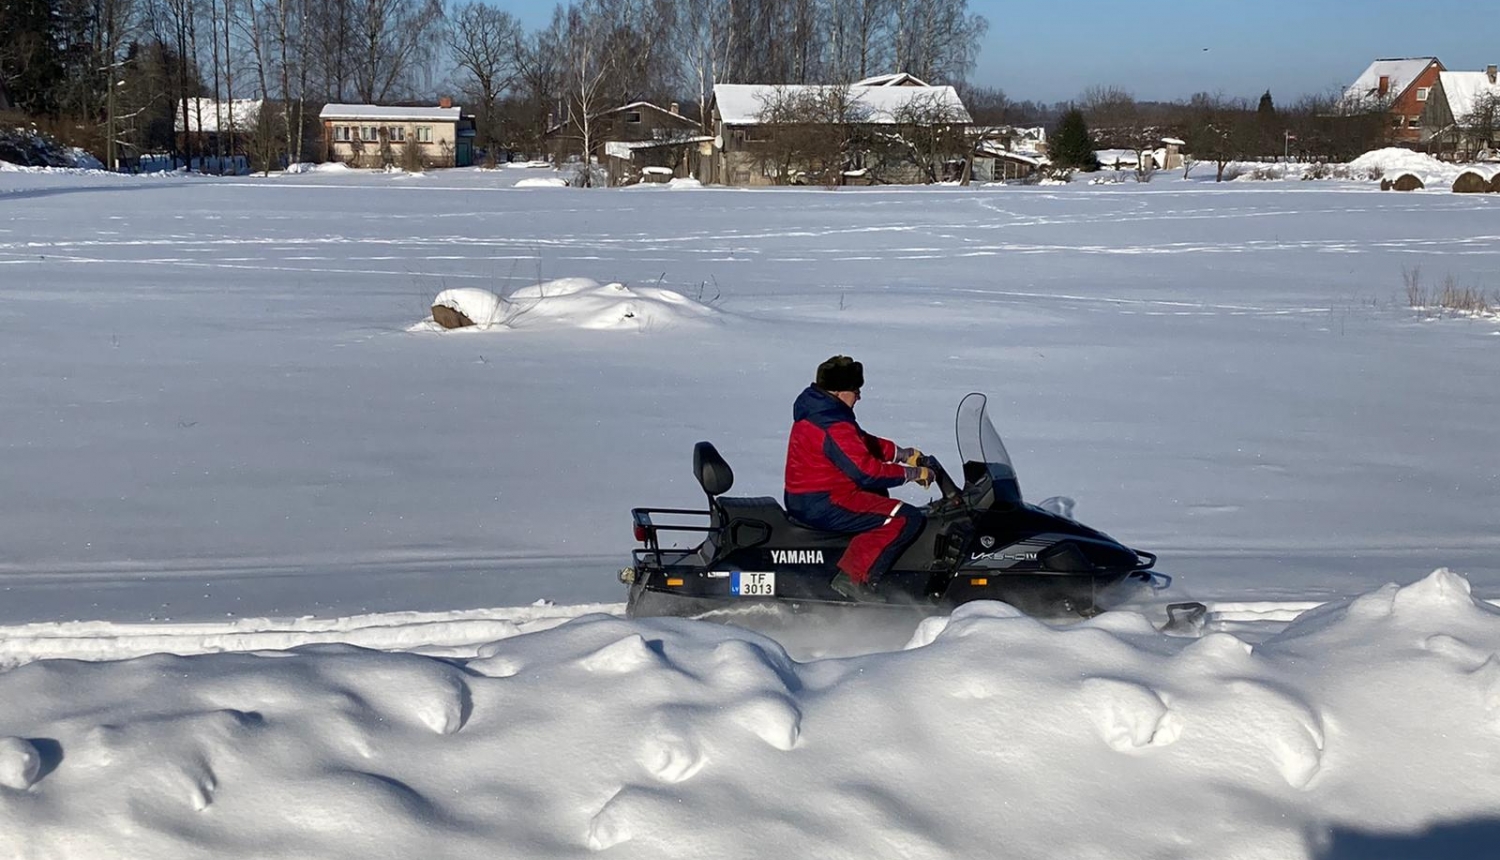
[580,303]
[1368,723]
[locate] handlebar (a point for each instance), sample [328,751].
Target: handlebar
[946,485]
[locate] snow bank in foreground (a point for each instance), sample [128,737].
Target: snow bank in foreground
[1363,724]
[572,303]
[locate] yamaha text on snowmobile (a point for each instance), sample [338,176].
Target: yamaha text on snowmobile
[981,542]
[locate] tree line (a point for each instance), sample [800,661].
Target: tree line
[120,77]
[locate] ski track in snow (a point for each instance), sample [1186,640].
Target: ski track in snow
[459,634]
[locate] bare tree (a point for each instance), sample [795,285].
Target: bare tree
[590,61]
[928,132]
[937,39]
[482,40]
[705,39]
[1220,129]
[1478,128]
[395,42]
[812,133]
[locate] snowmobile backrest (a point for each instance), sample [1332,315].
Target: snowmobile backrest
[713,474]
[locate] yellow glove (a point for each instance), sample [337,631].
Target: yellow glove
[908,456]
[920,475]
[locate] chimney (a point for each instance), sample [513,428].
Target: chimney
[677,109]
[1385,84]
[1490,71]
[445,102]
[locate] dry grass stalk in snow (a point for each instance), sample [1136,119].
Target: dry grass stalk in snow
[1453,298]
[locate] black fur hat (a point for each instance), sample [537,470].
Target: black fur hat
[841,373]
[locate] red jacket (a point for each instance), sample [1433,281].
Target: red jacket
[829,455]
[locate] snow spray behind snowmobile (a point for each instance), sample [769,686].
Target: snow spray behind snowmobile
[981,542]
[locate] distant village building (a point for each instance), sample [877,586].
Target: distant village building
[1003,153]
[219,132]
[382,135]
[1400,88]
[1462,118]
[751,140]
[636,142]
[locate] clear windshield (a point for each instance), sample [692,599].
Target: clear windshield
[983,453]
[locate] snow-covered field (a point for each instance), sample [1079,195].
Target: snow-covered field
[224,413]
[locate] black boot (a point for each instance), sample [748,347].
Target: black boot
[856,591]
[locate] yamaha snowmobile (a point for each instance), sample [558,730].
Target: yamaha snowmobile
[981,542]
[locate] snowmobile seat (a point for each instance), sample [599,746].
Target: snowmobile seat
[711,470]
[761,521]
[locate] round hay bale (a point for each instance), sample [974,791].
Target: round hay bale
[1385,184]
[1495,184]
[1408,182]
[1470,182]
[449,318]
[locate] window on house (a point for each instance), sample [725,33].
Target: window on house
[1398,121]
[1414,122]
[1422,93]
[424,134]
[398,133]
[368,132]
[633,116]
[341,132]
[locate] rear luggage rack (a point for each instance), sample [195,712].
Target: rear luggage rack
[646,529]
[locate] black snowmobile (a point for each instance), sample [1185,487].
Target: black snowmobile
[981,542]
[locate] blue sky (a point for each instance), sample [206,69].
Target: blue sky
[1052,52]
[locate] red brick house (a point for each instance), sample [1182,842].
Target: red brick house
[1399,87]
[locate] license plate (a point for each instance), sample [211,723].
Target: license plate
[746,584]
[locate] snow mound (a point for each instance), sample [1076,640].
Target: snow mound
[573,303]
[329,167]
[1370,717]
[20,763]
[1394,160]
[542,182]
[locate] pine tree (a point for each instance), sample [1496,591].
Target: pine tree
[1267,108]
[1072,146]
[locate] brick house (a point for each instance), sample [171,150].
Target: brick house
[1400,87]
[379,135]
[1462,118]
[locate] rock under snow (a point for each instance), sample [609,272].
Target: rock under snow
[580,303]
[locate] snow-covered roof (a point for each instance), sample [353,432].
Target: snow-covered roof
[207,116]
[1465,89]
[1400,73]
[643,104]
[897,79]
[390,112]
[741,104]
[627,148]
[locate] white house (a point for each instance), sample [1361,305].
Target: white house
[380,135]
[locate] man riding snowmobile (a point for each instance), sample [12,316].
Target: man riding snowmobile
[838,477]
